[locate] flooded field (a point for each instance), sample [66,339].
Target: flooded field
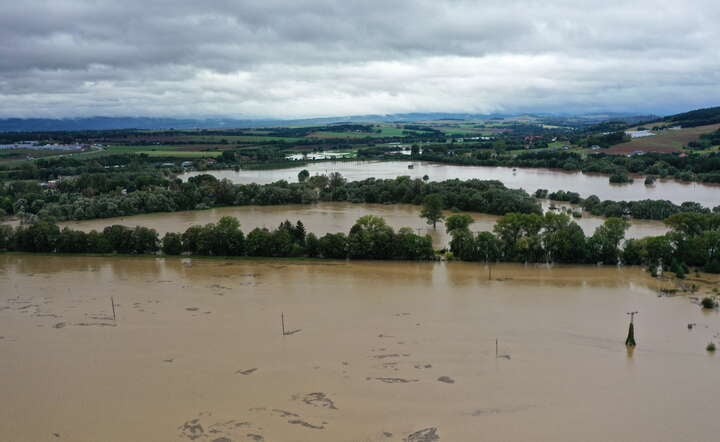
[329,218]
[528,179]
[374,352]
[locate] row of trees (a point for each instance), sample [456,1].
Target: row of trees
[694,240]
[520,237]
[369,238]
[692,167]
[70,202]
[643,209]
[29,202]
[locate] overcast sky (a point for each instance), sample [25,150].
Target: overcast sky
[295,58]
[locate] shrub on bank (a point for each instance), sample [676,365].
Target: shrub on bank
[708,303]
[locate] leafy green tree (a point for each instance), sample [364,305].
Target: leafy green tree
[38,237]
[658,251]
[458,221]
[228,156]
[72,241]
[633,252]
[318,181]
[98,243]
[191,239]
[282,242]
[519,237]
[299,233]
[677,269]
[260,243]
[336,180]
[228,239]
[371,238]
[604,244]
[303,175]
[145,240]
[334,246]
[691,224]
[432,209]
[410,246]
[120,238]
[487,247]
[312,245]
[563,240]
[172,243]
[462,244]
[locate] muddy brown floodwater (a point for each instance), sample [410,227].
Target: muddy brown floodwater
[386,351]
[336,217]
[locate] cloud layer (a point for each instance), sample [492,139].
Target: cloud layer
[64,58]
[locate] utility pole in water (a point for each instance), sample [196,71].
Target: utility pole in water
[630,341]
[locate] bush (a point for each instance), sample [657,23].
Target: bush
[710,347]
[172,243]
[620,178]
[713,266]
[677,269]
[708,303]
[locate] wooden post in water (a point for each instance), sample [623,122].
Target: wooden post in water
[282,321]
[496,348]
[112,302]
[630,341]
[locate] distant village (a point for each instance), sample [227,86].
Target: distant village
[36,145]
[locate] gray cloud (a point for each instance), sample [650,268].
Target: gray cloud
[325,57]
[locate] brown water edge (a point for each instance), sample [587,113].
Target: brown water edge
[331,217]
[197,351]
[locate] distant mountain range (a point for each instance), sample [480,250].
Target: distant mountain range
[150,123]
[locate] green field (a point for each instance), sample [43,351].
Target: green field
[232,139]
[164,151]
[385,131]
[182,154]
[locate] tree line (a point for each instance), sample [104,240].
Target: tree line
[87,197]
[369,238]
[694,240]
[104,195]
[643,209]
[690,167]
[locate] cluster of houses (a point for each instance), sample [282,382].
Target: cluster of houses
[462,140]
[37,145]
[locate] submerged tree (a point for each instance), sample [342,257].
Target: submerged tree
[432,209]
[458,221]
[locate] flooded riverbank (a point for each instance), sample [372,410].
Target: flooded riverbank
[324,218]
[378,351]
[528,179]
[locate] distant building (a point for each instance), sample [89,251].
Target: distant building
[639,133]
[37,146]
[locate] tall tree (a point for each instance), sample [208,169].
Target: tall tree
[303,175]
[458,221]
[432,209]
